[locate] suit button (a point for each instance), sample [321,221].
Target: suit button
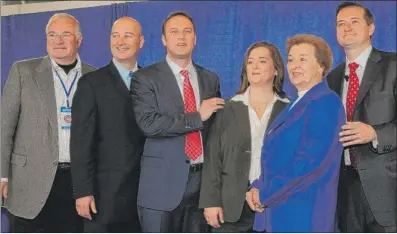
[187,161]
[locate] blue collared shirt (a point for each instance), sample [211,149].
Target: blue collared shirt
[125,73]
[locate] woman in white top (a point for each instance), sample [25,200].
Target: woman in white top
[233,150]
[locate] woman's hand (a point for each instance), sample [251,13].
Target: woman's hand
[253,201]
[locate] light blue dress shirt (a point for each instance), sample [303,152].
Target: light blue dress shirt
[125,73]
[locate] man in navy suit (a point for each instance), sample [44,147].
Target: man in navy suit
[174,101]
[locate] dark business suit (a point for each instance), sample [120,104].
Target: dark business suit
[159,110]
[376,105]
[105,146]
[226,168]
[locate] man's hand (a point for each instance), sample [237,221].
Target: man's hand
[4,189]
[253,201]
[210,106]
[354,133]
[211,214]
[83,206]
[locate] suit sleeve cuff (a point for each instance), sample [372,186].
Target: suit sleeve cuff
[375,142]
[193,121]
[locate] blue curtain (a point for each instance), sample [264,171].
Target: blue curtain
[224,31]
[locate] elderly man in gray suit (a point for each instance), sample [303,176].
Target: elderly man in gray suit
[36,114]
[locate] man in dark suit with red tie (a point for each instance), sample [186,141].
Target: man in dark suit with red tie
[367,84]
[173,103]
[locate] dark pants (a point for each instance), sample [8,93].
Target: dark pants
[357,215]
[132,226]
[186,217]
[59,212]
[244,224]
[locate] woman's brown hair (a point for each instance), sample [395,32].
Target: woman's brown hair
[278,66]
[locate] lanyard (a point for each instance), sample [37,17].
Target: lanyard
[67,92]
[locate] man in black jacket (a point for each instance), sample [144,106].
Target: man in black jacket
[106,143]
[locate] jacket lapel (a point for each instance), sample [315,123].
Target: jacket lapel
[336,81]
[240,111]
[170,85]
[85,69]
[291,114]
[371,71]
[277,109]
[200,80]
[45,81]
[118,82]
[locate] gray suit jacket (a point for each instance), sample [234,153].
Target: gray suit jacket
[29,135]
[376,105]
[159,111]
[228,159]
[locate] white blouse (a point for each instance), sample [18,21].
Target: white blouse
[258,128]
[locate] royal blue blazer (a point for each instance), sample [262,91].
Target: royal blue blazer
[300,164]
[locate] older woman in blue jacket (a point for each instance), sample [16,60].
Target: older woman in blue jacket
[301,155]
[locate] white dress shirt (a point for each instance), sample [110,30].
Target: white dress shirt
[361,60]
[258,128]
[176,70]
[60,96]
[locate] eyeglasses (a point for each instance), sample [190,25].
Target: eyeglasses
[64,36]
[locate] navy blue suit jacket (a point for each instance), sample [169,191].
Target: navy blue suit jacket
[300,165]
[159,111]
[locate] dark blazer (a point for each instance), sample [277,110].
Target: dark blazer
[228,159]
[159,112]
[106,145]
[300,165]
[376,105]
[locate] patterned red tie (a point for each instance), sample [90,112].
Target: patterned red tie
[352,92]
[193,147]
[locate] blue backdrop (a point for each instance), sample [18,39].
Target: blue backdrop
[224,31]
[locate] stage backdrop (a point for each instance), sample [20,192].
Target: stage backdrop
[224,31]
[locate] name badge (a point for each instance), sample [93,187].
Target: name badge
[66,117]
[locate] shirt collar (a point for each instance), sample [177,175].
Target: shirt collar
[122,70]
[302,93]
[58,68]
[176,69]
[361,60]
[244,97]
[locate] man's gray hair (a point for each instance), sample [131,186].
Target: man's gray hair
[64,15]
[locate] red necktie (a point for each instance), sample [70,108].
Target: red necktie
[352,92]
[193,147]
